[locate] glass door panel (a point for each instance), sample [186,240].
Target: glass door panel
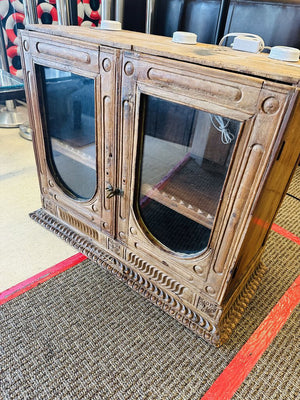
[184,157]
[67,105]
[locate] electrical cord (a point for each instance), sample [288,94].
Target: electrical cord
[245,36]
[221,125]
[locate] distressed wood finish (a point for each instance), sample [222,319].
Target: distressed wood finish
[207,291]
[202,54]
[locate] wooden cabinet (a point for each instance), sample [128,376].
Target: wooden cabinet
[164,163]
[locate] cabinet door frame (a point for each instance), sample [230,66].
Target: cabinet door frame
[96,214]
[257,105]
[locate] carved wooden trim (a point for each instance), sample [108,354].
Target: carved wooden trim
[49,205]
[216,90]
[61,51]
[69,219]
[239,305]
[208,307]
[154,273]
[114,246]
[192,320]
[189,318]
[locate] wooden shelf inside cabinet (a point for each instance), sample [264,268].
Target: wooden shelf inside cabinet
[199,202]
[84,155]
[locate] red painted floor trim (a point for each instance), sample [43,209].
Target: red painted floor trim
[40,278]
[285,233]
[238,369]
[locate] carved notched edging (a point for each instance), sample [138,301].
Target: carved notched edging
[69,219]
[155,274]
[149,290]
[189,318]
[235,312]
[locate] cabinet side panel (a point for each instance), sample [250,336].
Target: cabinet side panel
[273,105]
[274,188]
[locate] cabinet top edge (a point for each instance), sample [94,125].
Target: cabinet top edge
[220,57]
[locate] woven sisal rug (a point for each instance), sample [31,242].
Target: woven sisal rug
[85,335]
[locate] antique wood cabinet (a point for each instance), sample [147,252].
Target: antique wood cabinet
[164,163]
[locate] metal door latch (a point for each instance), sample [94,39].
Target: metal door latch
[111,192]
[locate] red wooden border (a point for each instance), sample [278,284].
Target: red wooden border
[238,369]
[40,277]
[283,232]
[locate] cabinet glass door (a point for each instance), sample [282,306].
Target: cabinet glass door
[184,157]
[68,109]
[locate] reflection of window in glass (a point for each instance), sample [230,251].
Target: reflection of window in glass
[184,160]
[68,102]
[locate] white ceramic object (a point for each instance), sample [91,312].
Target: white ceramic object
[284,53]
[184,37]
[109,25]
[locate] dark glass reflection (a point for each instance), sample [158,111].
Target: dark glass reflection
[69,113]
[185,155]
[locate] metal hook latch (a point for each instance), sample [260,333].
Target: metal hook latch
[111,192]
